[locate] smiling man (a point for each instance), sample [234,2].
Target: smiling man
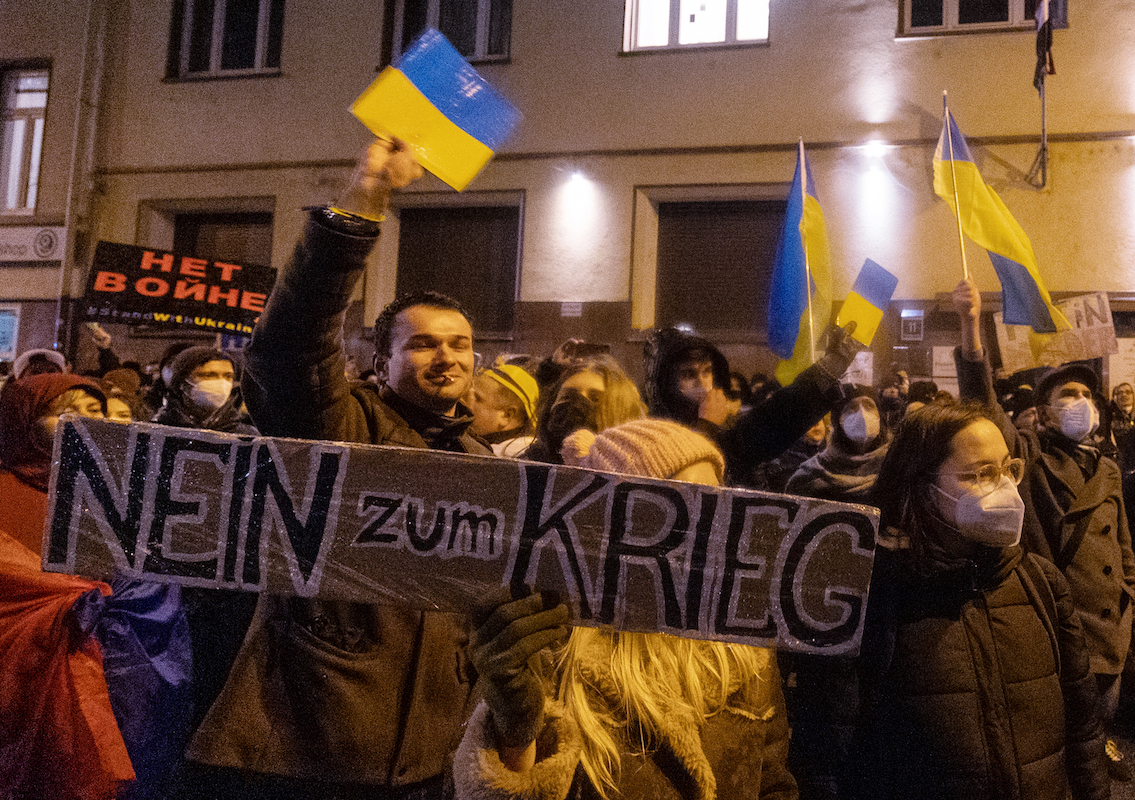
[332,698]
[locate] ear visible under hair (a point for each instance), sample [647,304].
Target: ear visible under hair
[576,446]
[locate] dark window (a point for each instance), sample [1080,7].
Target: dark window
[479,29]
[715,263]
[215,37]
[470,253]
[244,238]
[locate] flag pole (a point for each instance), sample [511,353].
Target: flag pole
[804,245]
[954,182]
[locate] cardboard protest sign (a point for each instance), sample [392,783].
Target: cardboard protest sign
[1092,335]
[438,531]
[139,285]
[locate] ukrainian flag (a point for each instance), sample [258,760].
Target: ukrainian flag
[438,104]
[868,299]
[802,267]
[986,220]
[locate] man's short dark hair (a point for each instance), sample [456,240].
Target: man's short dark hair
[385,320]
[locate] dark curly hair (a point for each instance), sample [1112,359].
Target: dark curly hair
[384,323]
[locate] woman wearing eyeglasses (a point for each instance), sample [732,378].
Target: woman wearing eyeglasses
[973,677]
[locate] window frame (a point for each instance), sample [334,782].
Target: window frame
[1018,20]
[630,26]
[181,28]
[433,16]
[31,147]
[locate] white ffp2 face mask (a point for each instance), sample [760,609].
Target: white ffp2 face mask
[1078,416]
[210,393]
[861,426]
[993,519]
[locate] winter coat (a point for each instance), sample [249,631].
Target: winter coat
[1079,523]
[975,685]
[738,752]
[334,691]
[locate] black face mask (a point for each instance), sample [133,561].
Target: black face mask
[569,413]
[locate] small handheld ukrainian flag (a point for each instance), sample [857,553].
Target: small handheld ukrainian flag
[799,308]
[985,219]
[868,299]
[438,104]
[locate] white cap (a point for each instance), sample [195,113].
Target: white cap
[21,362]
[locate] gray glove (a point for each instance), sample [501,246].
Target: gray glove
[840,349]
[508,633]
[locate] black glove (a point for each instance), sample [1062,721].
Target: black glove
[840,349]
[567,415]
[508,633]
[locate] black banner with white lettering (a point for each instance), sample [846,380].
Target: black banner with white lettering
[142,286]
[438,530]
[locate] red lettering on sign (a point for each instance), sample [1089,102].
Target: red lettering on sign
[151,287]
[165,262]
[110,282]
[193,267]
[227,270]
[231,297]
[189,289]
[253,301]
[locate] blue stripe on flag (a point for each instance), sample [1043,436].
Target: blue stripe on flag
[1020,296]
[439,72]
[875,285]
[788,292]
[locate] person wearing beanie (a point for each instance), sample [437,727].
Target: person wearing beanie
[504,408]
[627,715]
[203,394]
[38,361]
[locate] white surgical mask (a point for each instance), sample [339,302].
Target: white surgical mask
[1079,417]
[210,393]
[861,426]
[167,375]
[994,518]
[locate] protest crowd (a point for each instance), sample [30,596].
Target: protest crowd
[998,622]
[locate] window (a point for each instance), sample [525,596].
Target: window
[471,253]
[239,237]
[25,106]
[944,16]
[657,24]
[225,37]
[715,263]
[479,29]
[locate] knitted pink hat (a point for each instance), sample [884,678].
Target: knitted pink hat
[653,448]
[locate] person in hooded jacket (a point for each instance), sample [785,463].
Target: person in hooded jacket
[120,648]
[203,393]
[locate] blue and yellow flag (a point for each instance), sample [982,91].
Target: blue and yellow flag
[438,104]
[802,267]
[986,220]
[868,299]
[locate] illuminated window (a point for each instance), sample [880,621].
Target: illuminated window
[479,29]
[225,37]
[25,106]
[658,24]
[955,16]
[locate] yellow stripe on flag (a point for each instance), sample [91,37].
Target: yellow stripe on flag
[866,317]
[393,106]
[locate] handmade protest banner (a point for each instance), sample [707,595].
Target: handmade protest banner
[439,530]
[1092,335]
[140,285]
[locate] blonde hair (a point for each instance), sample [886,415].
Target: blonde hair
[653,677]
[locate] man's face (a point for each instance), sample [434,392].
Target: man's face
[1072,390]
[431,357]
[695,379]
[213,370]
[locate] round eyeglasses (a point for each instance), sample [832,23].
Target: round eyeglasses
[987,477]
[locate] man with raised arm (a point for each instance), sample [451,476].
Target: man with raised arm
[335,698]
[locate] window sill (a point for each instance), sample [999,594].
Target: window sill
[703,46]
[225,75]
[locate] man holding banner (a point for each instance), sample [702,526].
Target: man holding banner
[332,698]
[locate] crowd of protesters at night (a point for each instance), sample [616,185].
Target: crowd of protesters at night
[998,621]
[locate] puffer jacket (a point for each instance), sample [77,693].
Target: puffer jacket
[333,691]
[737,753]
[975,685]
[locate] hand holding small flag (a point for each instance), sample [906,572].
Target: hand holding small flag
[383,167]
